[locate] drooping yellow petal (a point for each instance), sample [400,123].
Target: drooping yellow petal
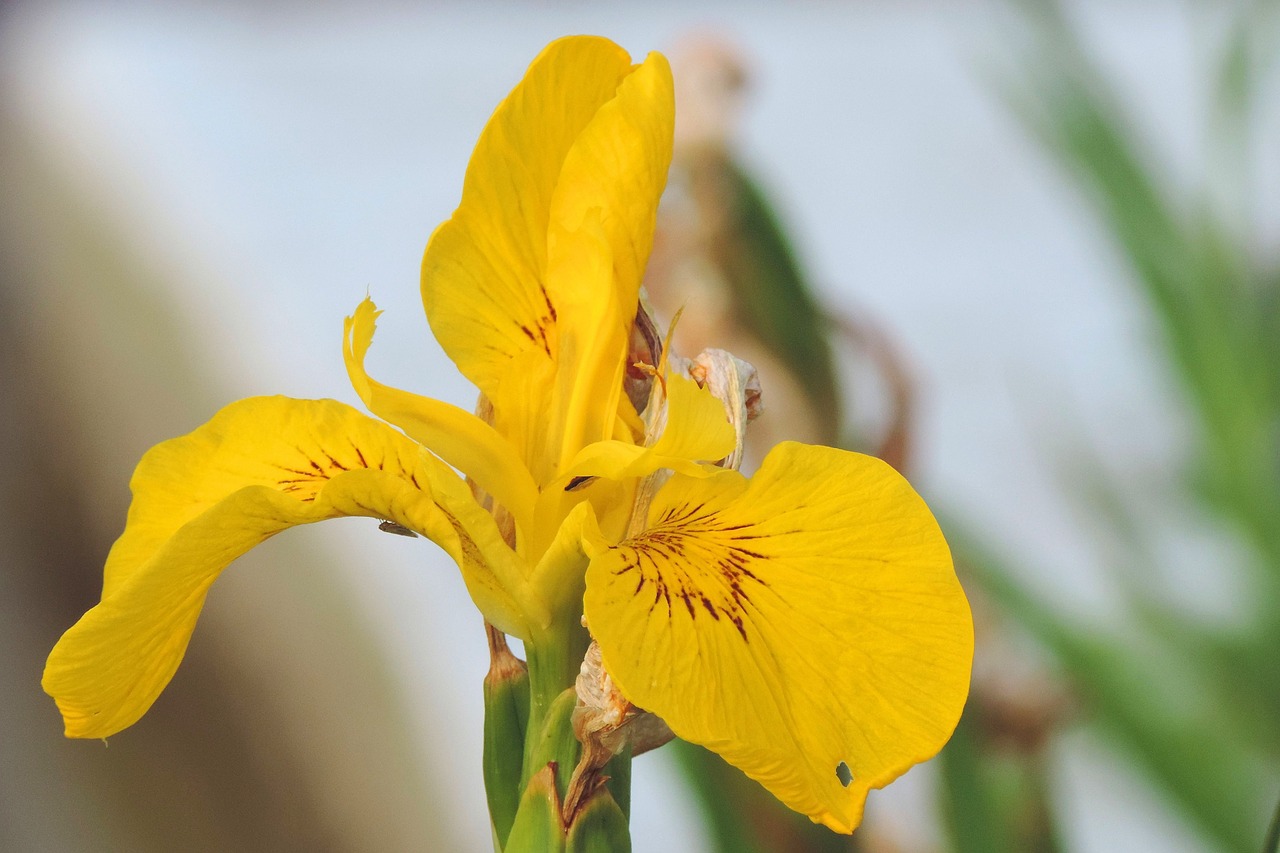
[484,270]
[601,231]
[259,466]
[802,620]
[459,437]
[696,432]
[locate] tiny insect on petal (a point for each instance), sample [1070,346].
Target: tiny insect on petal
[397,529]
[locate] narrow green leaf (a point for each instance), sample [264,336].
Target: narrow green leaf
[740,816]
[722,813]
[537,827]
[599,826]
[618,772]
[557,746]
[971,807]
[995,799]
[1272,844]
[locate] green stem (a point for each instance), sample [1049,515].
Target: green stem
[550,748]
[551,819]
[554,659]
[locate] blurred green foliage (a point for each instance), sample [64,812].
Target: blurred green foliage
[1193,705]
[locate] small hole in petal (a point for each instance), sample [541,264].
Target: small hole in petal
[844,774]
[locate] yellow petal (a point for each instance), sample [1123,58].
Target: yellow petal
[560,574]
[696,432]
[484,270]
[459,437]
[592,338]
[601,231]
[617,169]
[259,466]
[804,619]
[532,286]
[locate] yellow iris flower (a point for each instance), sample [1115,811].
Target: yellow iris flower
[798,621]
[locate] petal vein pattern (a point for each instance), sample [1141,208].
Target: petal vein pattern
[804,618]
[258,467]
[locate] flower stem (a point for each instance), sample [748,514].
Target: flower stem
[543,821]
[554,658]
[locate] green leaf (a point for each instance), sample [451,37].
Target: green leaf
[740,816]
[1272,844]
[995,798]
[537,827]
[556,747]
[618,772]
[599,826]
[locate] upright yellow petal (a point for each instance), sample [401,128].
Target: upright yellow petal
[484,271]
[617,169]
[591,340]
[696,432]
[601,232]
[806,619]
[532,286]
[459,437]
[259,466]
